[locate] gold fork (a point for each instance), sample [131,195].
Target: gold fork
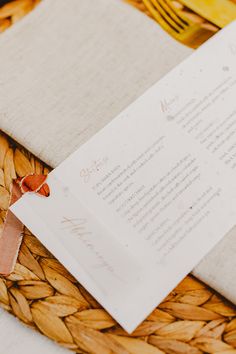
[177,25]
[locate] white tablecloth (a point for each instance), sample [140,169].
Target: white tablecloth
[16,338]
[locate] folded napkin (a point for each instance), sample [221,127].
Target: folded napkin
[69,68]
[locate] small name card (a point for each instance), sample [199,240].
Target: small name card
[141,203]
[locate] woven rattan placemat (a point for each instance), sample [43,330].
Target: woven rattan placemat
[193,319]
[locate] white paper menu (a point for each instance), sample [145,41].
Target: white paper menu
[142,202]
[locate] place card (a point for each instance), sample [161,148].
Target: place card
[136,207]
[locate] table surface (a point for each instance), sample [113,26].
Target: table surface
[16,338]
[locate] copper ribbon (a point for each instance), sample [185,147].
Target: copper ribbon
[12,234]
[11,238]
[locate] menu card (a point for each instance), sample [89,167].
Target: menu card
[134,209]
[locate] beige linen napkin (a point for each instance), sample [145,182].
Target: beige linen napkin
[69,68]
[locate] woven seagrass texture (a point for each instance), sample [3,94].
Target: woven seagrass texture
[41,293]
[193,319]
[13,11]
